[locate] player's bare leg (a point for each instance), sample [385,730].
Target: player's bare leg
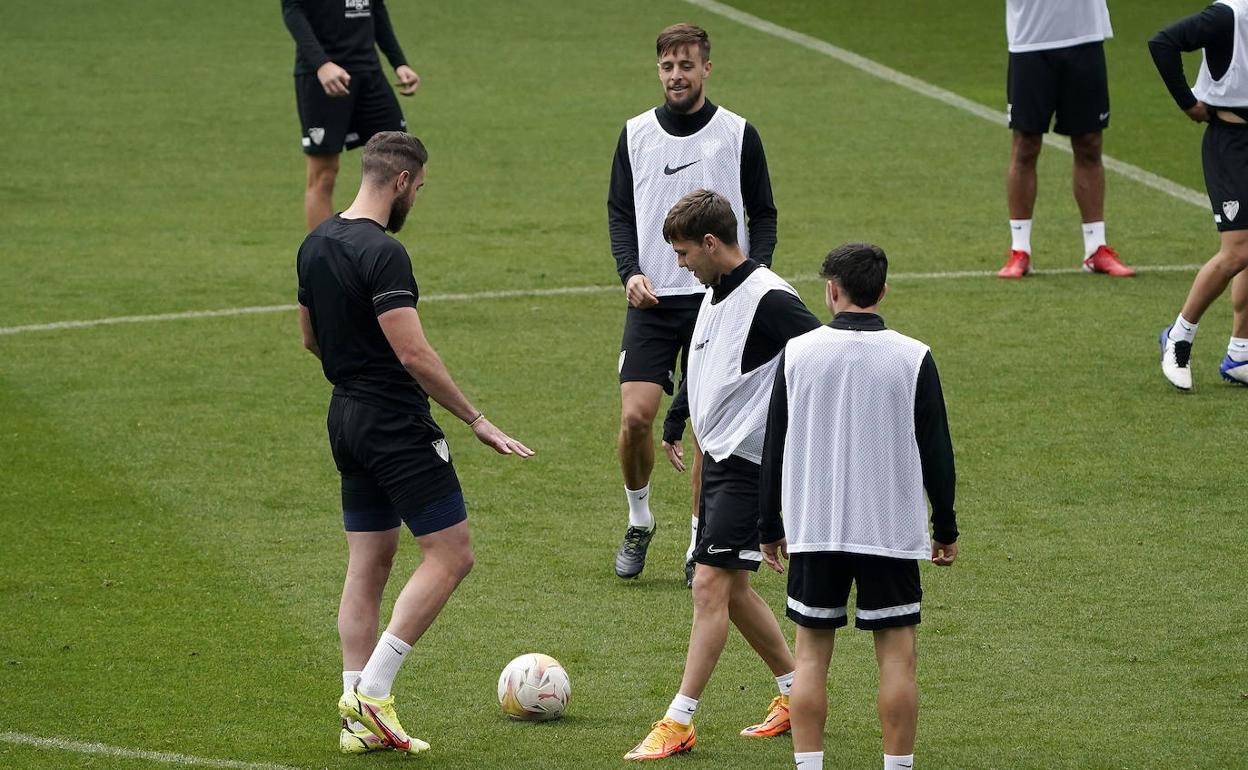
[639,403]
[1020,193]
[318,196]
[1239,302]
[898,701]
[808,703]
[757,623]
[1088,176]
[370,557]
[712,589]
[446,560]
[1212,280]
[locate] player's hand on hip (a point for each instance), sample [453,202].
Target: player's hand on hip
[943,554]
[675,454]
[1198,112]
[409,81]
[640,292]
[334,79]
[500,442]
[774,552]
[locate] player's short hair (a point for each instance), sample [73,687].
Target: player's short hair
[678,36]
[389,153]
[698,213]
[860,269]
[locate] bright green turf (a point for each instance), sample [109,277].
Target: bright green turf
[171,554]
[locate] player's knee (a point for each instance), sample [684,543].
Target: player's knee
[1026,150]
[1234,254]
[322,174]
[710,590]
[636,423]
[1086,149]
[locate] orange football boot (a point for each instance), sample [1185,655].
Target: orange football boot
[776,722]
[667,737]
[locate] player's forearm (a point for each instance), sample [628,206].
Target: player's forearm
[431,374]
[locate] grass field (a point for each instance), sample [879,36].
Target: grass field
[170,551]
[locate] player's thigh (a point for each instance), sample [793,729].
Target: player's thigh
[323,119]
[1224,152]
[818,589]
[376,109]
[1083,90]
[639,402]
[1031,91]
[649,347]
[889,592]
[728,516]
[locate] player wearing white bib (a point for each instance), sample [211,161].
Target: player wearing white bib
[747,315]
[686,144]
[1057,65]
[856,431]
[1220,98]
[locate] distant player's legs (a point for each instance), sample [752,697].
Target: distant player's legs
[370,557]
[1226,266]
[318,196]
[898,700]
[1020,181]
[1212,280]
[808,702]
[1088,176]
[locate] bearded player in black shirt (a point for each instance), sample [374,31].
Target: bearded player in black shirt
[357,312]
[340,89]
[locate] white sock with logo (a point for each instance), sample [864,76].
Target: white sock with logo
[693,538]
[808,760]
[1093,237]
[349,678]
[898,761]
[785,682]
[1183,330]
[682,709]
[639,507]
[378,675]
[1020,235]
[1238,349]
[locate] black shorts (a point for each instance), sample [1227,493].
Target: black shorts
[888,590]
[331,122]
[1069,81]
[655,337]
[728,520]
[394,468]
[1225,155]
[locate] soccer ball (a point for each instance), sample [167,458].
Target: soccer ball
[534,687]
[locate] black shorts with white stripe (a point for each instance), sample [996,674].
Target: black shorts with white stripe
[819,581]
[728,516]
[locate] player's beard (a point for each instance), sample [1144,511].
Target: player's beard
[398,214]
[682,105]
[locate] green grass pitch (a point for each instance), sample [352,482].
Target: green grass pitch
[170,547]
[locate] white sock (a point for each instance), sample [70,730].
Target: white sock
[349,678]
[639,507]
[693,538]
[682,709]
[808,760]
[1183,330]
[785,682]
[1093,237]
[1237,349]
[1020,233]
[898,761]
[378,675]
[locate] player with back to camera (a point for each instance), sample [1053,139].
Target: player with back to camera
[1057,65]
[357,314]
[748,313]
[340,90]
[856,430]
[1219,98]
[663,153]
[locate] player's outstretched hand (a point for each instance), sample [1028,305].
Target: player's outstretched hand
[943,554]
[1198,112]
[409,81]
[334,79]
[774,552]
[675,455]
[500,442]
[640,292]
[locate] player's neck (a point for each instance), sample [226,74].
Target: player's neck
[369,205]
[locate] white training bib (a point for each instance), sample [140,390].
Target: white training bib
[1232,89]
[1041,25]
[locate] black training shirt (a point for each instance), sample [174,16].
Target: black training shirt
[341,31]
[760,208]
[350,272]
[1213,29]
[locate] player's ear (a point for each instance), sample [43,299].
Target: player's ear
[829,294]
[402,181]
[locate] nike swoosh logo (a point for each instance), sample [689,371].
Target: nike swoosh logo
[396,650]
[713,549]
[643,497]
[669,170]
[700,345]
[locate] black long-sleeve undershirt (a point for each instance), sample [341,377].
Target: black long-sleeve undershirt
[324,32]
[1213,29]
[931,433]
[760,207]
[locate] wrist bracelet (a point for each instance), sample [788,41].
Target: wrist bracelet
[480,416]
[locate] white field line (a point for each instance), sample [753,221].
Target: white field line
[505,294]
[167,757]
[1135,173]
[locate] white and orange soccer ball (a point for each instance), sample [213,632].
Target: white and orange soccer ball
[534,687]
